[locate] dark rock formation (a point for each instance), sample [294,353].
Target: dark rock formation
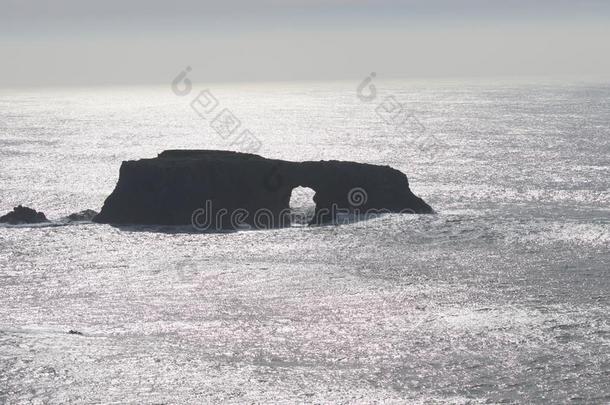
[182,187]
[23,215]
[86,215]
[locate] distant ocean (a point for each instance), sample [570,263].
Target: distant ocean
[503,296]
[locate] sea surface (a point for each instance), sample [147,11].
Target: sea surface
[503,296]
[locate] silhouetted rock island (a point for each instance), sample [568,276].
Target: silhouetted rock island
[180,187]
[23,215]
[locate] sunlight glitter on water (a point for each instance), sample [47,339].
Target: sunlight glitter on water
[502,296]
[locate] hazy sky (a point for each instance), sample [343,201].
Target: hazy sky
[81,42]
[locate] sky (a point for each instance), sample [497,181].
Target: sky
[114,42]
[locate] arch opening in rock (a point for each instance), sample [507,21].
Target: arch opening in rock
[302,205]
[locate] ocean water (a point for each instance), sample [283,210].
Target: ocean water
[503,296]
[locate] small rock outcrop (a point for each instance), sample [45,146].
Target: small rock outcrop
[222,189]
[23,215]
[86,215]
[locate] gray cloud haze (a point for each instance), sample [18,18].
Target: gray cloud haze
[134,42]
